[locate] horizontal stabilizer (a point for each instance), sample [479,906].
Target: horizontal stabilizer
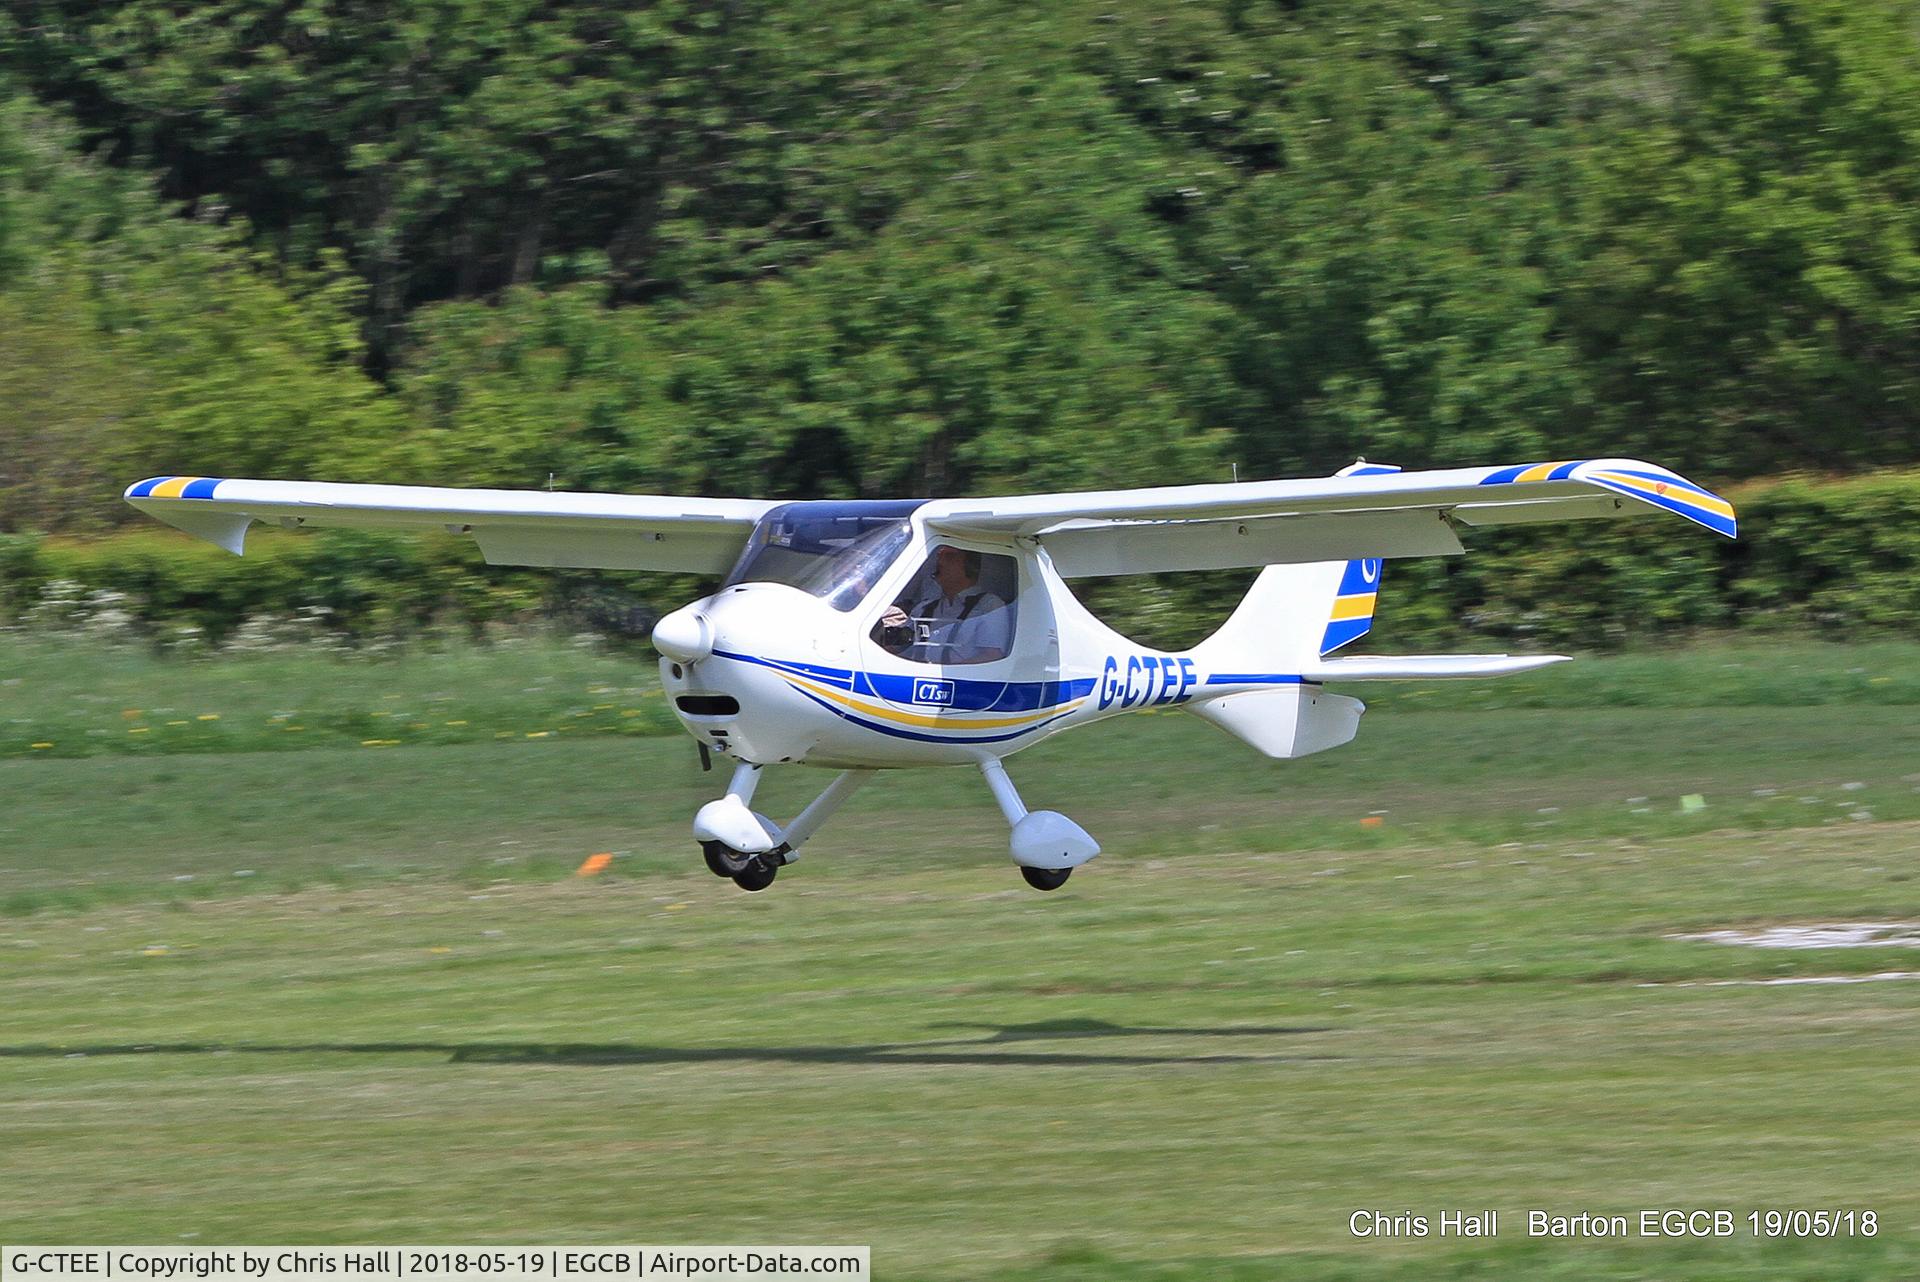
[1426,667]
[1295,721]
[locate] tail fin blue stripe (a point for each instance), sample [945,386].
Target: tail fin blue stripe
[1342,631]
[1353,604]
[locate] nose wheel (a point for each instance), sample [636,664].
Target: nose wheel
[723,860]
[758,874]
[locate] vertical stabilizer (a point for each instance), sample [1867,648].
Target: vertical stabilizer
[1293,614]
[1289,619]
[1283,622]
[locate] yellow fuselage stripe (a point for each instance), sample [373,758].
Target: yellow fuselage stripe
[949,722]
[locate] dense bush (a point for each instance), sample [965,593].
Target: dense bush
[800,249]
[797,250]
[349,585]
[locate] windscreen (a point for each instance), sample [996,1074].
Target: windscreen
[835,551]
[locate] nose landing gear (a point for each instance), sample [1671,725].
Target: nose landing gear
[749,848]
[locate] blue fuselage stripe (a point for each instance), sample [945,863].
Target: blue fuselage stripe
[971,696]
[1255,679]
[968,695]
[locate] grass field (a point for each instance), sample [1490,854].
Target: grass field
[1253,1016]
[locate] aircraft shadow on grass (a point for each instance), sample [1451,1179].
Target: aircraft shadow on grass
[977,1051]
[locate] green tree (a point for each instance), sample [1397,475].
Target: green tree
[1748,261]
[140,343]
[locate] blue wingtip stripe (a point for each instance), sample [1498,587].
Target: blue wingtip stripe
[1700,516]
[200,487]
[1679,483]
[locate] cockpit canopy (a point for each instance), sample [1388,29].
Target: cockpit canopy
[833,550]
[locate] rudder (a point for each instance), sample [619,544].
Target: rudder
[1353,603]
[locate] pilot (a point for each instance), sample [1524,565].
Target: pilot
[962,622]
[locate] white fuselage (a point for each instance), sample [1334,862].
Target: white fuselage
[788,678]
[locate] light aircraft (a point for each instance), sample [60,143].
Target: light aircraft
[879,634]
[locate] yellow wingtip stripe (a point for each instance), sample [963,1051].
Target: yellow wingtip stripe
[1674,493]
[1538,472]
[171,489]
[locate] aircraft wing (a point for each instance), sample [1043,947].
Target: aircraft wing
[512,527]
[1364,512]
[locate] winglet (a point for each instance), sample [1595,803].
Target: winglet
[170,499]
[1661,488]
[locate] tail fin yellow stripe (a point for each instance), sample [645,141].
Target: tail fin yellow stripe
[1354,607]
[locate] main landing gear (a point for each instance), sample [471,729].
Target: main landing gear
[1046,878]
[1046,844]
[740,843]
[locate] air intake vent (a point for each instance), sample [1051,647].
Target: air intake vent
[708,705]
